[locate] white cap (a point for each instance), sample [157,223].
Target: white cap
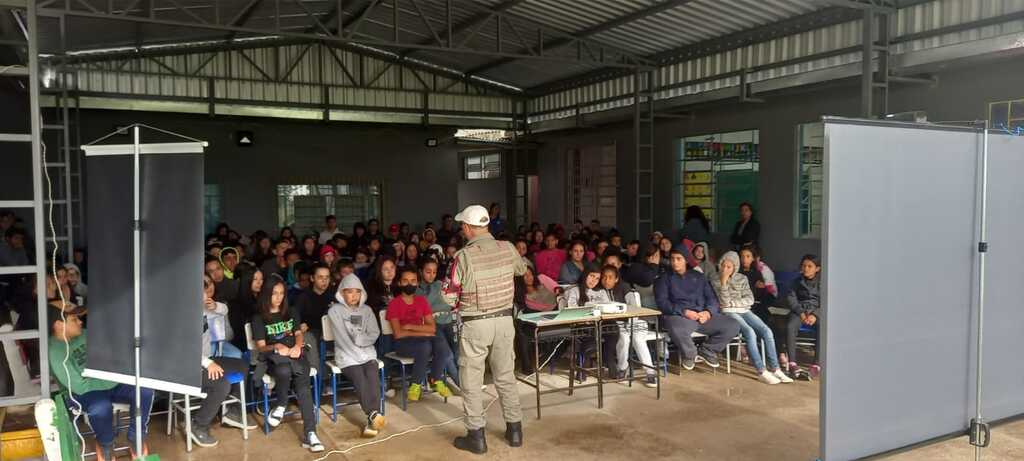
[474,215]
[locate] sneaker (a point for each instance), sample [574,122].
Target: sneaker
[688,364]
[768,378]
[201,436]
[376,421]
[233,418]
[313,443]
[815,371]
[782,376]
[651,381]
[369,432]
[708,356]
[414,392]
[390,393]
[442,389]
[275,416]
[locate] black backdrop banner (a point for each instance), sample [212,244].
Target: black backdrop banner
[171,196]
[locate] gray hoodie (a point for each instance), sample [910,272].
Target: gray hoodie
[734,297]
[355,328]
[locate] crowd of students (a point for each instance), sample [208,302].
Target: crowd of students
[281,285]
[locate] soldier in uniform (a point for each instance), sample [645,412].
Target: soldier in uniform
[481,286]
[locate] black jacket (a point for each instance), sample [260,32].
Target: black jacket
[751,233]
[642,274]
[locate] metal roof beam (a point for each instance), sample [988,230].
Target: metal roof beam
[589,32]
[476,21]
[826,17]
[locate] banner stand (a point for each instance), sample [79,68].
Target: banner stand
[136,150]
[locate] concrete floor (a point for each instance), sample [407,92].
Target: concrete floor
[700,416]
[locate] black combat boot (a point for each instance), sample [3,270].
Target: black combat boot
[473,442]
[514,434]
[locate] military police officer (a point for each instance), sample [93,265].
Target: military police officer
[482,284]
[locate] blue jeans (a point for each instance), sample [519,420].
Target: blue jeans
[425,351]
[752,327]
[225,349]
[447,331]
[99,406]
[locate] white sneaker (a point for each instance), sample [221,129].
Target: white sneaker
[782,376]
[275,416]
[768,378]
[313,443]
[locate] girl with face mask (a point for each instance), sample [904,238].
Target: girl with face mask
[415,334]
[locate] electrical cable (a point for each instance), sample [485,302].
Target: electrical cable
[426,426]
[385,439]
[63,300]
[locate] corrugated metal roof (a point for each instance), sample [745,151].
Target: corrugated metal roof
[645,28]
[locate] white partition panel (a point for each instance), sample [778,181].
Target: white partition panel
[1003,386]
[899,251]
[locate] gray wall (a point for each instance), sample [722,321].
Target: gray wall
[419,183]
[961,94]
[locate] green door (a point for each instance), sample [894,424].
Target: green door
[733,188]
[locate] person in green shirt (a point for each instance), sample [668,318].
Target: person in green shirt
[94,397]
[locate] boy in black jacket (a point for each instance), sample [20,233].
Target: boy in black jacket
[804,302]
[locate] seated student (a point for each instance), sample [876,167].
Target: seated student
[355,333]
[589,290]
[549,260]
[735,300]
[702,254]
[341,269]
[534,295]
[229,260]
[328,255]
[688,304]
[804,302]
[415,334]
[314,302]
[643,274]
[617,290]
[309,252]
[278,264]
[632,252]
[94,397]
[575,263]
[215,316]
[215,368]
[78,286]
[430,288]
[279,341]
[763,292]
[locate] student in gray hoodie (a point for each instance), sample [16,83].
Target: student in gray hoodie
[735,300]
[355,332]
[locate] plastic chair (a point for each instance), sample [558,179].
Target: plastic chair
[269,383]
[187,404]
[335,370]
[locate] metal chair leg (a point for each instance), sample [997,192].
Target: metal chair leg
[245,410]
[383,390]
[170,413]
[266,409]
[405,390]
[188,424]
[334,397]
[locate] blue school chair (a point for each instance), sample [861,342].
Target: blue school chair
[325,321]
